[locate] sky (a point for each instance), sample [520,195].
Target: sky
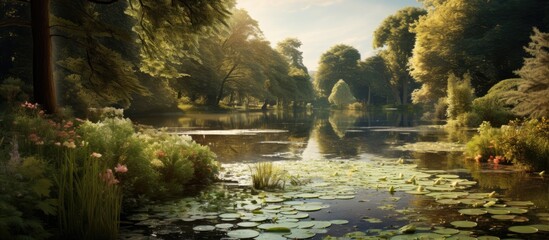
[321,24]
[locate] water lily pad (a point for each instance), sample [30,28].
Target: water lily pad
[446,231]
[504,217]
[472,211]
[270,236]
[274,200]
[339,222]
[307,195]
[498,211]
[247,224]
[293,203]
[321,224]
[230,215]
[488,238]
[274,226]
[461,237]
[298,216]
[345,197]
[300,234]
[308,207]
[204,228]
[258,219]
[224,225]
[243,233]
[541,227]
[327,197]
[523,229]
[272,207]
[520,203]
[463,224]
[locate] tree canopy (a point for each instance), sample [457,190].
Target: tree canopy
[396,40]
[484,38]
[339,62]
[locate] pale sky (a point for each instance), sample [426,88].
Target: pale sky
[321,24]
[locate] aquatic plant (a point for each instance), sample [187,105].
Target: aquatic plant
[267,176]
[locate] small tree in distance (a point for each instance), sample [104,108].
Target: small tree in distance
[341,95]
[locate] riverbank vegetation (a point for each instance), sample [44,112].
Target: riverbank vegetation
[76,176]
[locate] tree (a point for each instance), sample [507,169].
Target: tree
[481,37]
[397,41]
[289,48]
[460,96]
[375,82]
[339,62]
[341,95]
[158,25]
[531,99]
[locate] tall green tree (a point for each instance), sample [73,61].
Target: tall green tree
[484,38]
[397,41]
[339,62]
[289,48]
[181,18]
[531,99]
[375,82]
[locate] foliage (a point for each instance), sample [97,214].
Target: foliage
[525,143]
[460,100]
[25,196]
[531,99]
[483,38]
[374,86]
[341,95]
[339,62]
[397,41]
[267,176]
[89,165]
[492,107]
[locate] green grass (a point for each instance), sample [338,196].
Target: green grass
[267,176]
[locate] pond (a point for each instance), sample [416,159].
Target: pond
[359,175]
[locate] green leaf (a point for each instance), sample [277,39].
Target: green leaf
[42,187]
[48,206]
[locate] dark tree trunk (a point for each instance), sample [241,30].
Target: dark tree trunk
[44,86]
[225,79]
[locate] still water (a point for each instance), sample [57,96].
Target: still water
[358,136]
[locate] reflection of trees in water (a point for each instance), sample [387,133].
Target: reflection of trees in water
[341,121]
[329,141]
[234,148]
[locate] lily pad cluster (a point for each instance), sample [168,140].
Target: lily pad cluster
[247,214]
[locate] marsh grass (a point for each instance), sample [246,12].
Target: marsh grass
[267,176]
[89,204]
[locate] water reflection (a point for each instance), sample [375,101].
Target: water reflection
[347,135]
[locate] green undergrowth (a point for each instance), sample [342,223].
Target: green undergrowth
[523,143]
[70,178]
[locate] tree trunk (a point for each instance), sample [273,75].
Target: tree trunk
[42,69]
[225,79]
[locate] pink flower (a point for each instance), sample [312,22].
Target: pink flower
[121,168]
[96,155]
[108,177]
[34,138]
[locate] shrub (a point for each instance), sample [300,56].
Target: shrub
[525,143]
[356,106]
[341,94]
[460,96]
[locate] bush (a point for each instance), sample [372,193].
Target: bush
[460,96]
[356,106]
[89,174]
[341,94]
[525,143]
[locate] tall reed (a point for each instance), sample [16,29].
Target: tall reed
[266,176]
[89,198]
